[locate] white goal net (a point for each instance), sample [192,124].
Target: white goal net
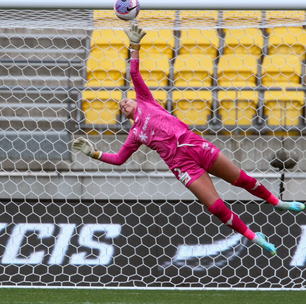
[237,78]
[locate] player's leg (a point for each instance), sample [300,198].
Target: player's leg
[205,191]
[227,170]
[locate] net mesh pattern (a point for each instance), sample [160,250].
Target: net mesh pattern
[237,78]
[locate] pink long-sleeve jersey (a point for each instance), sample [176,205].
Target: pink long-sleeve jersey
[153,126]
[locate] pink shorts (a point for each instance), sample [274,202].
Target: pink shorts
[194,156]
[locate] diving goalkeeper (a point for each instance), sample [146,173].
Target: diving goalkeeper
[190,157]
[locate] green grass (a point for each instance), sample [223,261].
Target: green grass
[106,296]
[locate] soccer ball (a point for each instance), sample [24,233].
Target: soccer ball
[126,9]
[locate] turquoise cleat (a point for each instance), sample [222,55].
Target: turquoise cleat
[265,245]
[292,206]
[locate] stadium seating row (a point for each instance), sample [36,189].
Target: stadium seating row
[241,58]
[238,59]
[282,108]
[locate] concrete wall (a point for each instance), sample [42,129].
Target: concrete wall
[144,176]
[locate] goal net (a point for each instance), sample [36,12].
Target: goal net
[237,78]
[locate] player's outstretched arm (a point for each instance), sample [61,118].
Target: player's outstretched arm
[86,147]
[135,34]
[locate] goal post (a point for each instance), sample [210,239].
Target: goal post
[237,78]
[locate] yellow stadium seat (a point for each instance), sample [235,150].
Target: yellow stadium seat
[283,65]
[155,71]
[158,42]
[159,95]
[238,66]
[247,41]
[287,41]
[283,108]
[238,71]
[101,107]
[155,54]
[108,39]
[196,41]
[238,107]
[281,71]
[106,63]
[194,64]
[192,107]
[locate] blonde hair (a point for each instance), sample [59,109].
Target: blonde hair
[122,100]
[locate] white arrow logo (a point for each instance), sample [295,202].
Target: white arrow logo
[185,251]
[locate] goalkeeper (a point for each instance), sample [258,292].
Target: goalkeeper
[190,157]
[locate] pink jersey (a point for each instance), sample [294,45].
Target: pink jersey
[153,126]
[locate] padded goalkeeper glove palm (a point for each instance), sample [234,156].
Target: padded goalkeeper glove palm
[86,147]
[135,35]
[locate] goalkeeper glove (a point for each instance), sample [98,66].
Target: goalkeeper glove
[135,35]
[86,147]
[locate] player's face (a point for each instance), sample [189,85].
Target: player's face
[128,107]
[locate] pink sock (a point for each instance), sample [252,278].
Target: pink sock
[230,219]
[254,187]
[273,200]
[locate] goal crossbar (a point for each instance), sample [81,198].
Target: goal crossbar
[159,4]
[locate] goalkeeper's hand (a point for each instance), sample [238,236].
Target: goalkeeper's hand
[135,34]
[84,146]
